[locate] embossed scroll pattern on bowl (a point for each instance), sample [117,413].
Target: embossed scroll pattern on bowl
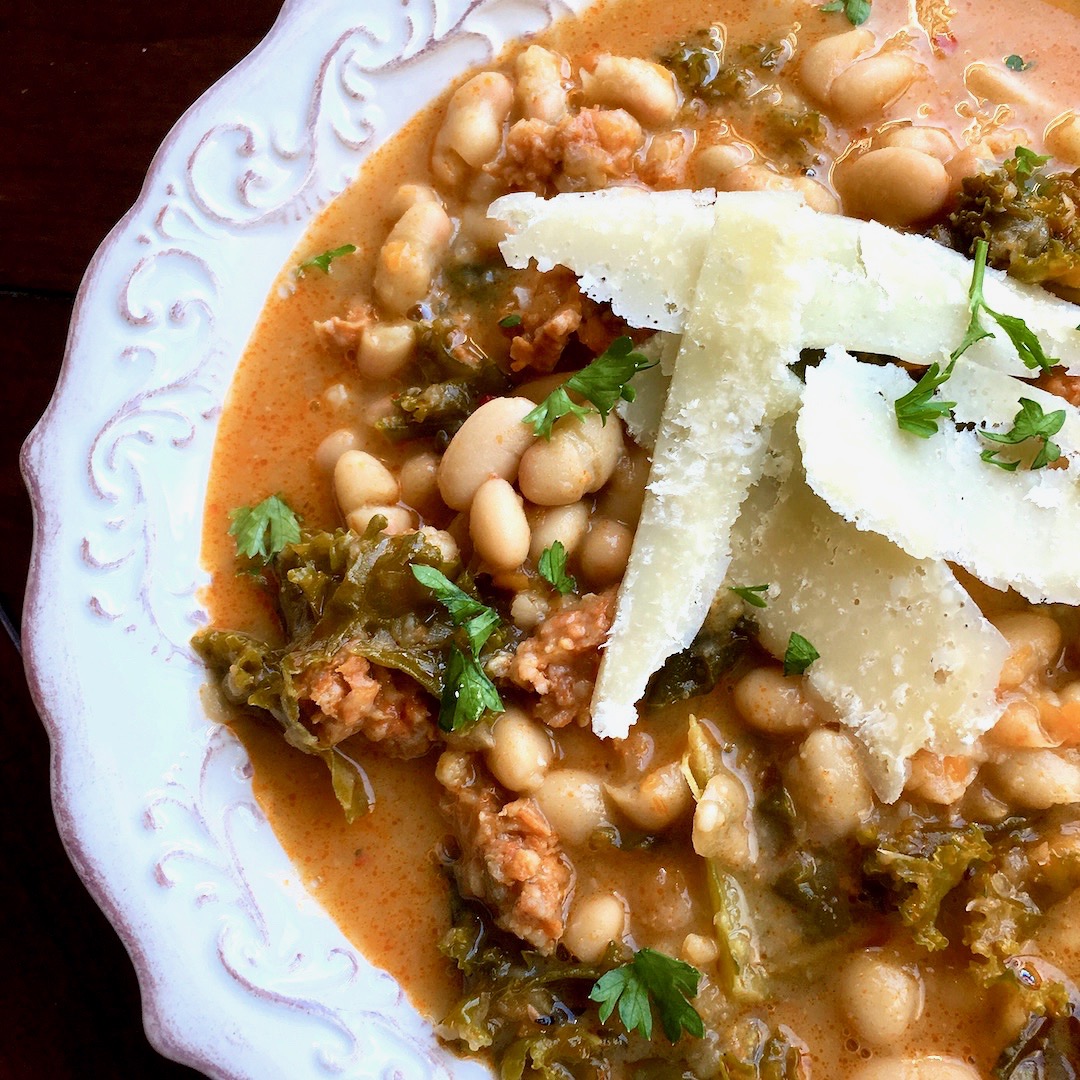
[242,973]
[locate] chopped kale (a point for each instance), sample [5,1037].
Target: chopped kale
[923,869]
[811,883]
[719,645]
[1027,216]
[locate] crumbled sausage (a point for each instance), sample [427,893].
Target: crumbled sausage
[354,697]
[559,662]
[343,334]
[583,151]
[510,858]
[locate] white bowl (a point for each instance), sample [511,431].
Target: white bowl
[242,973]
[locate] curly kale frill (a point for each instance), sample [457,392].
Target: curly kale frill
[336,591]
[1030,219]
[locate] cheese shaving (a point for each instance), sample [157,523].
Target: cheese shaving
[934,497]
[906,657]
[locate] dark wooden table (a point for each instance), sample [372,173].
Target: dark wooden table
[88,89]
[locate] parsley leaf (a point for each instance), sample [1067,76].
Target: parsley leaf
[1017,63]
[1027,161]
[670,983]
[799,656]
[477,619]
[915,411]
[751,594]
[508,322]
[264,530]
[857,11]
[552,567]
[1024,340]
[468,692]
[602,383]
[1029,423]
[323,261]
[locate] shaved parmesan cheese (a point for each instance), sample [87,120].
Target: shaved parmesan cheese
[906,657]
[641,250]
[730,382]
[935,497]
[870,289]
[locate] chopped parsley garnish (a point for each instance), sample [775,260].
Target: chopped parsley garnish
[1017,63]
[508,322]
[915,411]
[1025,342]
[262,531]
[800,654]
[857,11]
[1029,423]
[467,691]
[322,262]
[603,383]
[752,594]
[669,983]
[1027,161]
[552,567]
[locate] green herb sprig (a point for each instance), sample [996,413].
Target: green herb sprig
[468,692]
[603,383]
[754,595]
[800,654]
[857,11]
[552,567]
[1026,343]
[1031,422]
[262,531]
[916,411]
[651,978]
[323,260]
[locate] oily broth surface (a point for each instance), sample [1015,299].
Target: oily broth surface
[377,877]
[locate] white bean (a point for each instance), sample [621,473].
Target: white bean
[498,526]
[657,801]
[880,998]
[363,480]
[930,1067]
[605,551]
[936,142]
[333,446]
[759,177]
[723,826]
[864,89]
[1038,779]
[541,91]
[490,443]
[398,519]
[573,802]
[1062,138]
[472,130]
[419,479]
[827,780]
[410,256]
[825,59]
[624,493]
[567,524]
[894,185]
[713,163]
[579,458]
[1000,86]
[1034,644]
[644,89]
[521,753]
[771,702]
[593,924]
[409,195]
[385,348]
